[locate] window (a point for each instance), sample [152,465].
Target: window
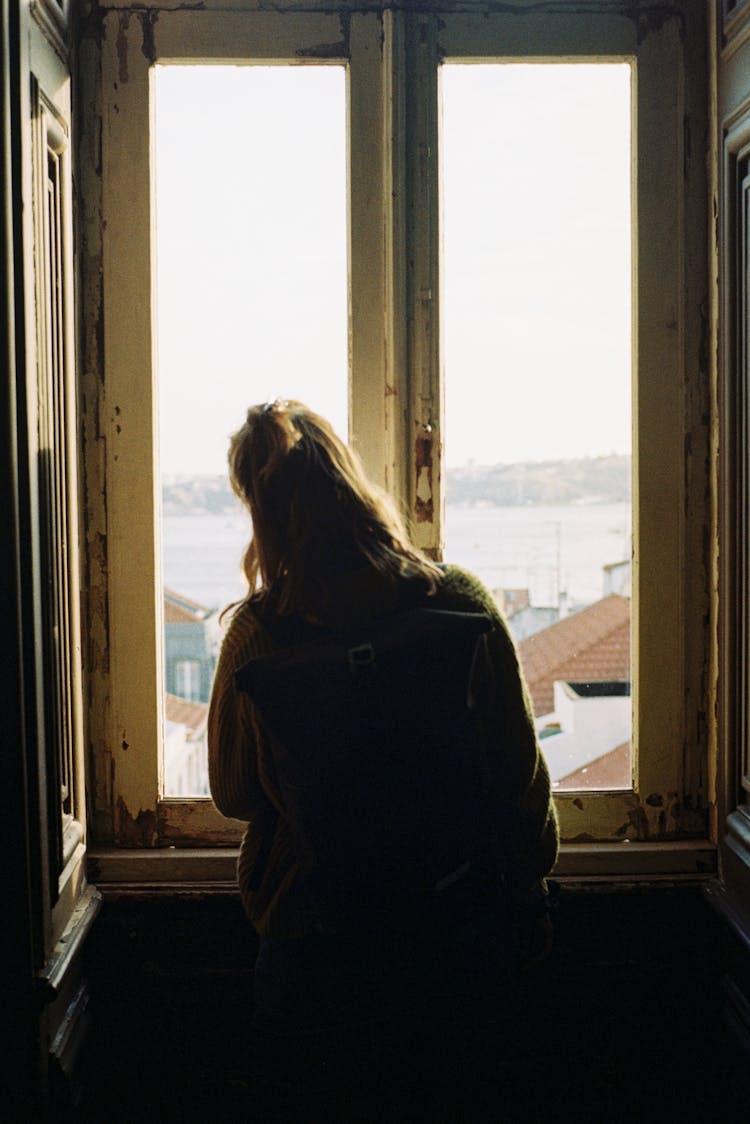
[256,295]
[56,511]
[43,518]
[538,423]
[735,513]
[397,350]
[187,679]
[730,343]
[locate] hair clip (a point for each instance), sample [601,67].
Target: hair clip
[277,404]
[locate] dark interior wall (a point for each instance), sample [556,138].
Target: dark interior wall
[172,993]
[623,1022]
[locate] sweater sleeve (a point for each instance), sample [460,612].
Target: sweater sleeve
[517,772]
[233,736]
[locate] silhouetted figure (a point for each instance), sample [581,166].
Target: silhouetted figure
[396,1013]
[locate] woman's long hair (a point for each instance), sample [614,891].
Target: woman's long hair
[314,512]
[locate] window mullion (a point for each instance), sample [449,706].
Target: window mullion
[424,452]
[378,394]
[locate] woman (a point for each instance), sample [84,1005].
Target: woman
[328,549]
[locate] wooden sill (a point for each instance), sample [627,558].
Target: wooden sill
[213,870]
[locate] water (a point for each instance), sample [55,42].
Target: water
[547,549]
[203,557]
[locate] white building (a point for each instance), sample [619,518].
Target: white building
[185,748]
[589,721]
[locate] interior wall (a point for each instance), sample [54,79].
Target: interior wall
[623,1022]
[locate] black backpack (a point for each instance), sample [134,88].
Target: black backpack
[378,759]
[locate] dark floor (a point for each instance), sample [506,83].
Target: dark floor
[622,1023]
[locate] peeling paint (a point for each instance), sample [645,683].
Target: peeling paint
[323,51]
[138,831]
[424,501]
[98,609]
[637,824]
[121,44]
[674,812]
[336,50]
[148,46]
[664,816]
[92,25]
[651,20]
[648,19]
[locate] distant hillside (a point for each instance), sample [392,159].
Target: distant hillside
[199,495]
[584,480]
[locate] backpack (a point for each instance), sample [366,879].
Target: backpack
[378,759]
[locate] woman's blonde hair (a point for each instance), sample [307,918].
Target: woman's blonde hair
[315,514]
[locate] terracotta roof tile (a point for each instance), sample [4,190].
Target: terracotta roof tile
[611,770]
[194,715]
[592,644]
[181,610]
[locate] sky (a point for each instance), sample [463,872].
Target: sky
[250,179]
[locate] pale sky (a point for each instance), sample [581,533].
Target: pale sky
[251,248]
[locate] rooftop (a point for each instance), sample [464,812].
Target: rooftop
[192,715]
[611,770]
[181,610]
[591,645]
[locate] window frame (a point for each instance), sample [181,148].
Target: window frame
[667,799]
[660,828]
[50,414]
[731,656]
[131,717]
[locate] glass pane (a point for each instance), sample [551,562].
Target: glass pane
[536,164]
[250,209]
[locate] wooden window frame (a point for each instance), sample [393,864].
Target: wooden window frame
[48,499]
[733,650]
[660,827]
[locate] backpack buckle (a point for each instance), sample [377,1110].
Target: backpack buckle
[361,658]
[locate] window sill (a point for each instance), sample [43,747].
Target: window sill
[206,870]
[675,859]
[169,869]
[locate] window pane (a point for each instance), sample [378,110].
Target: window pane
[536,164]
[250,220]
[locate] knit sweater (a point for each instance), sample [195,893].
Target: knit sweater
[244,783]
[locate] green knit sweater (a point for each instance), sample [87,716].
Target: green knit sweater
[244,784]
